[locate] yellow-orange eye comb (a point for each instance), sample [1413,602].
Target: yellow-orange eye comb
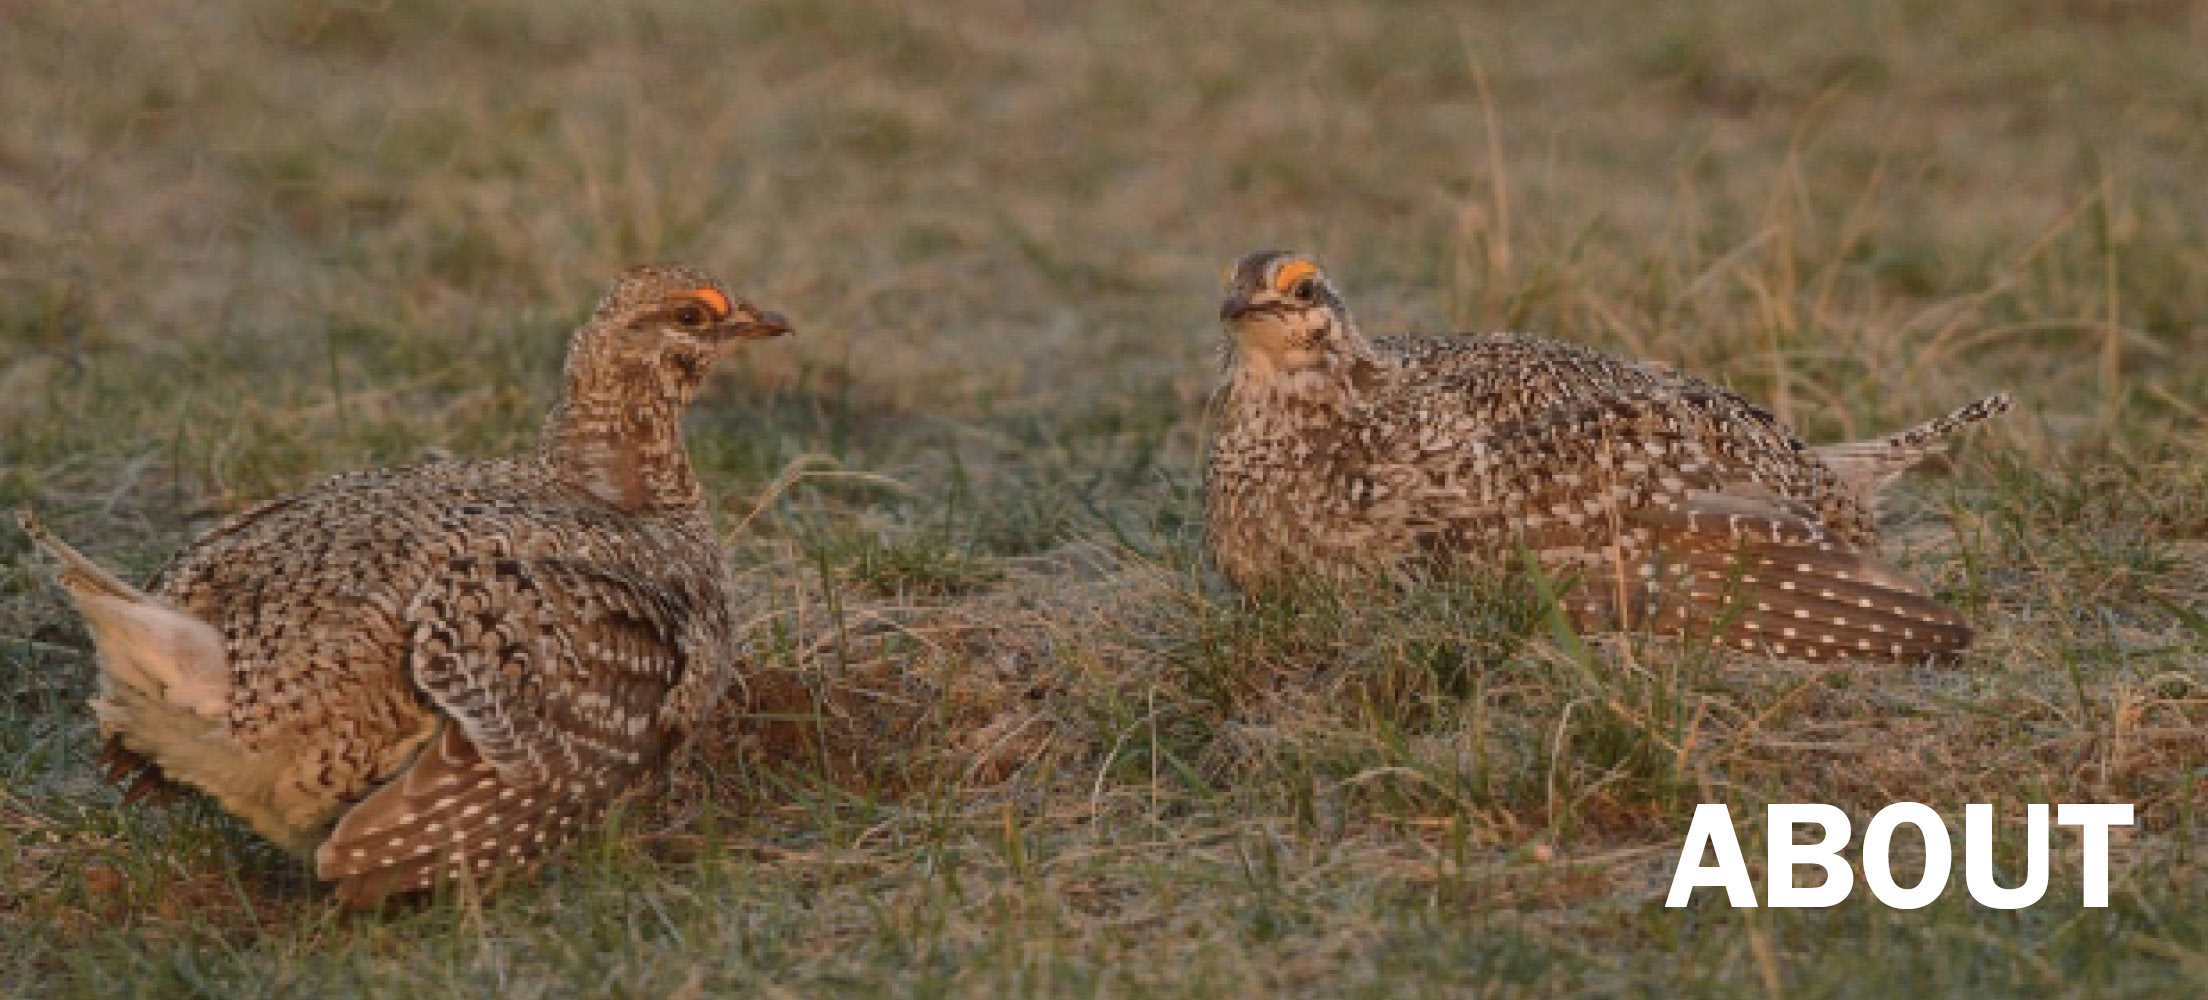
[1291,272]
[714,300]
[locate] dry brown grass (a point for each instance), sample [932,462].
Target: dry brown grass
[1005,737]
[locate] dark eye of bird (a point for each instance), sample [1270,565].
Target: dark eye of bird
[1305,290]
[691,316]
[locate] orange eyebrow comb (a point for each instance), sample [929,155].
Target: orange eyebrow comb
[714,300]
[1292,272]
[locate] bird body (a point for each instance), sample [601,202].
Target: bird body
[446,670]
[1657,498]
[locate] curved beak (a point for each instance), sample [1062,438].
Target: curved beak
[1235,307]
[754,323]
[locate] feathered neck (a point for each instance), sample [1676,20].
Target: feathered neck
[616,433]
[1342,376]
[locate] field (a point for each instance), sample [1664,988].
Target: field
[1004,735]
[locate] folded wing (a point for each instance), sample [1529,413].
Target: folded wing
[551,675]
[1671,511]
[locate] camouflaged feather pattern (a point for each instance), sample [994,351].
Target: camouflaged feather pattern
[446,671]
[1661,500]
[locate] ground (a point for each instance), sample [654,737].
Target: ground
[1004,736]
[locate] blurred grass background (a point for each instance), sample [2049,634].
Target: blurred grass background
[1003,738]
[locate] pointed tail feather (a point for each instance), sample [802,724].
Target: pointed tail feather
[143,642]
[79,575]
[1934,432]
[1868,467]
[93,586]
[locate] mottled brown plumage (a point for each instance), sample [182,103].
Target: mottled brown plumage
[447,670]
[1657,499]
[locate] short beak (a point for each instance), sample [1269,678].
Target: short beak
[1235,307]
[757,324]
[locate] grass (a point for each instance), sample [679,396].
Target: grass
[1004,737]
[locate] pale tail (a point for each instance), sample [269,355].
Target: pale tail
[164,678]
[80,576]
[1868,467]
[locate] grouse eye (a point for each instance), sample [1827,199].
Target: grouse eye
[1298,279]
[698,307]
